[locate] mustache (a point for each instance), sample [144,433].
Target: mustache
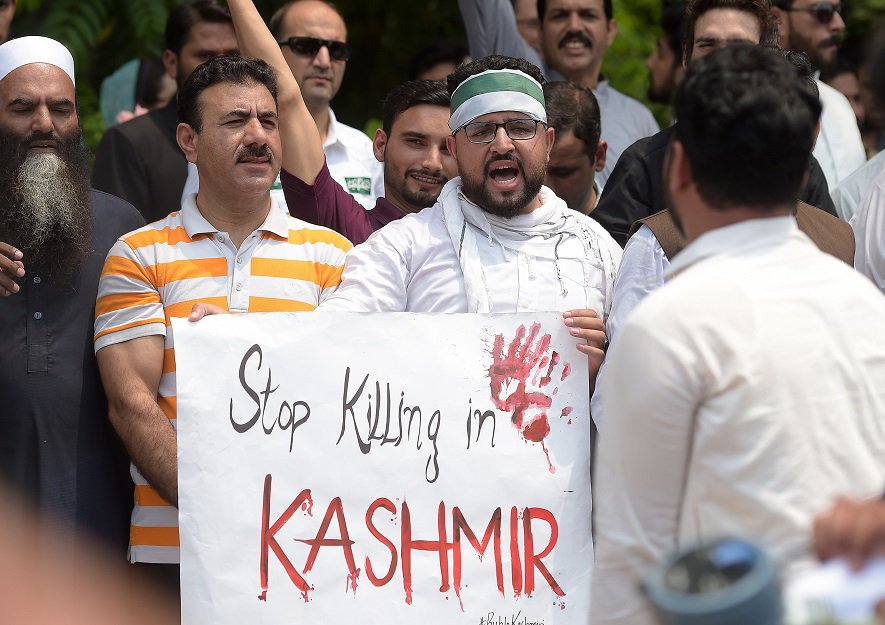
[510,156]
[254,151]
[439,176]
[39,137]
[576,35]
[828,42]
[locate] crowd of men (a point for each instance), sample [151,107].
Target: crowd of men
[732,318]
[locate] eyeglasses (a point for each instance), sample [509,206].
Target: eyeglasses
[310,47]
[823,12]
[516,129]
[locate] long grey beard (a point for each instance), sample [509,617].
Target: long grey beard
[54,220]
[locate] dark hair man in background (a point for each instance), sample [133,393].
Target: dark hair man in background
[665,62]
[140,160]
[723,387]
[814,28]
[7,12]
[575,35]
[636,191]
[436,61]
[578,153]
[417,164]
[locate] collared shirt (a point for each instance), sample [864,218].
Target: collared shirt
[839,147]
[161,270]
[57,447]
[740,400]
[869,233]
[491,29]
[349,157]
[850,191]
[411,265]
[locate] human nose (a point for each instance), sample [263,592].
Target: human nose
[837,24]
[432,159]
[574,21]
[256,134]
[322,57]
[41,121]
[502,141]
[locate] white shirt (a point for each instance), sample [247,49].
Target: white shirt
[624,122]
[740,400]
[411,265]
[349,157]
[869,233]
[839,149]
[850,191]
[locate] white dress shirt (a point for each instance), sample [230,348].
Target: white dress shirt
[411,265]
[740,400]
[869,233]
[349,157]
[839,148]
[849,193]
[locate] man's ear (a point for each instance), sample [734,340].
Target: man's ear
[783,25]
[551,139]
[379,144]
[612,31]
[452,146]
[680,173]
[187,139]
[170,62]
[601,151]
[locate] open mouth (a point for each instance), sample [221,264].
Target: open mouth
[503,174]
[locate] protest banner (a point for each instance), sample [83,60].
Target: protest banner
[383,468]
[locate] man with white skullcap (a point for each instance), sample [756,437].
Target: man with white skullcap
[56,446]
[496,240]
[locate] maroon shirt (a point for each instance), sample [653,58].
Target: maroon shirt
[326,203]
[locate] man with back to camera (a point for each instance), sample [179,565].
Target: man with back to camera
[575,35]
[140,160]
[636,192]
[56,446]
[814,28]
[760,399]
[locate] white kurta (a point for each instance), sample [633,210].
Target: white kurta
[412,265]
[740,399]
[849,193]
[839,148]
[869,233]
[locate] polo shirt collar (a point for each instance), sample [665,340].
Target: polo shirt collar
[277,221]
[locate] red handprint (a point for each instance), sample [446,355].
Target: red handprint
[526,362]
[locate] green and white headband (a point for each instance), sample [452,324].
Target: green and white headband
[496,90]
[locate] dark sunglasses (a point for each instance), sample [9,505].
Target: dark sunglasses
[310,46]
[823,12]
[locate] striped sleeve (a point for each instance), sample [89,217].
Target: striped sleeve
[327,247]
[128,304]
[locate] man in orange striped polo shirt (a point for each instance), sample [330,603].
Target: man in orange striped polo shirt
[230,245]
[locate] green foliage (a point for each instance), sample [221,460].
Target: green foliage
[385,34]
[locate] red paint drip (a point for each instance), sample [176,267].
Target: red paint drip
[352,579]
[547,454]
[263,596]
[458,594]
[566,370]
[566,411]
[537,430]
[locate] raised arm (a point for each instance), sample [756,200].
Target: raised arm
[491,29]
[302,147]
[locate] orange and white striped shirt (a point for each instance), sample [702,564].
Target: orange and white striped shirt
[160,271]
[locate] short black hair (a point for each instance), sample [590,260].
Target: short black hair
[183,18]
[227,68]
[275,24]
[409,94]
[573,107]
[435,53]
[747,124]
[495,61]
[673,28]
[804,70]
[606,6]
[760,9]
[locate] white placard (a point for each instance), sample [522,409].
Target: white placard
[383,468]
